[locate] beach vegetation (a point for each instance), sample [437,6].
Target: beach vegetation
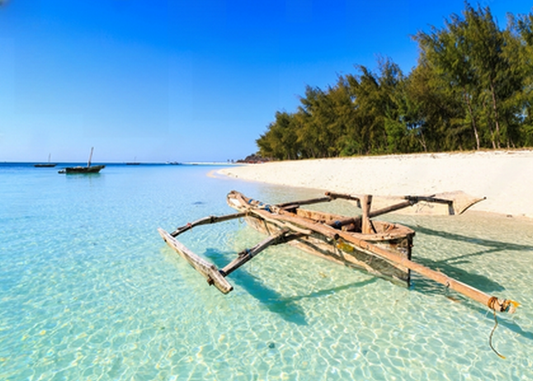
[470,90]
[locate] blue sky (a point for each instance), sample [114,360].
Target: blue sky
[185,80]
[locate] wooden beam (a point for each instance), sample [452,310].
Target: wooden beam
[247,254]
[411,200]
[205,221]
[391,208]
[366,204]
[208,270]
[294,204]
[492,302]
[342,196]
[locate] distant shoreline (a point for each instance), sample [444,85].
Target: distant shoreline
[124,163]
[505,178]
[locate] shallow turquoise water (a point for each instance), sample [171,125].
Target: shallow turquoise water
[89,291]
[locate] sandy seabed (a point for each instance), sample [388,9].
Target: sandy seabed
[505,178]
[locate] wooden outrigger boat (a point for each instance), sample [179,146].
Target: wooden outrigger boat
[88,169]
[379,248]
[395,238]
[45,165]
[79,169]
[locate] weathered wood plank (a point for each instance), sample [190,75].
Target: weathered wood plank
[206,221]
[247,254]
[208,270]
[294,204]
[366,203]
[335,250]
[468,291]
[343,196]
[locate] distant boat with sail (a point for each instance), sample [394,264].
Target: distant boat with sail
[45,165]
[134,162]
[87,169]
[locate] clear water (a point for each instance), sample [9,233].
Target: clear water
[89,291]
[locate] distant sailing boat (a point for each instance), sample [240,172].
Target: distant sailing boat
[134,162]
[87,169]
[45,165]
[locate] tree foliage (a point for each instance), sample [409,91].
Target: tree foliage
[471,89]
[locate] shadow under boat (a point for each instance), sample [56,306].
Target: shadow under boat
[426,286]
[269,298]
[449,265]
[285,307]
[492,244]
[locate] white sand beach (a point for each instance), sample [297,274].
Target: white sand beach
[505,178]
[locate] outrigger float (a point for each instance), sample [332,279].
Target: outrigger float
[380,248]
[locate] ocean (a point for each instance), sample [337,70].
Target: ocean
[90,291]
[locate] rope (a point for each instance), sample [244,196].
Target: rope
[492,301]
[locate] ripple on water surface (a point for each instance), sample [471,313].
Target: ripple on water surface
[90,291]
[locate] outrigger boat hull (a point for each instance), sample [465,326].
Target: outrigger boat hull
[91,169]
[392,237]
[88,169]
[380,248]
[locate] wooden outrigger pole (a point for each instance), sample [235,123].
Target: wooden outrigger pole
[494,303]
[292,227]
[209,271]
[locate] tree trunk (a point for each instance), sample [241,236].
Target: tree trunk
[476,135]
[495,108]
[423,140]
